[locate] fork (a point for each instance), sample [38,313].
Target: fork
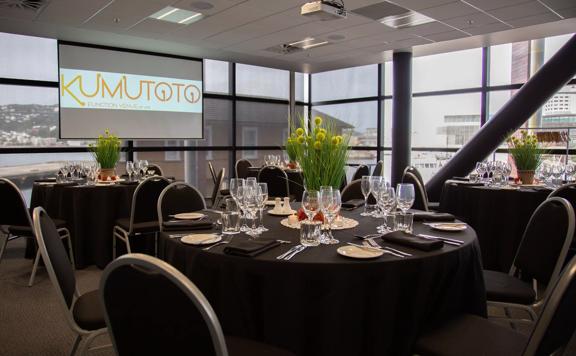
[216,244]
[373,243]
[297,251]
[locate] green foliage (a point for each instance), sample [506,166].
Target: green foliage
[106,151]
[322,153]
[525,151]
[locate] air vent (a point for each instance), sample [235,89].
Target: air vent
[23,4]
[298,46]
[284,49]
[393,15]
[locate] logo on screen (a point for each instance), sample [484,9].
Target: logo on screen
[119,91]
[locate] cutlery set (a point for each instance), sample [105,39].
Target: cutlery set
[446,240]
[291,253]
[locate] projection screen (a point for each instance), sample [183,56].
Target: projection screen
[134,95]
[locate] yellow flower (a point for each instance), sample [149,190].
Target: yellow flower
[301,139]
[299,131]
[316,130]
[309,140]
[323,131]
[318,120]
[107,132]
[289,140]
[335,140]
[339,139]
[320,136]
[317,145]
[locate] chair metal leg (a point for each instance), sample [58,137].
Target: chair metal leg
[70,249]
[113,245]
[3,246]
[75,346]
[85,346]
[34,269]
[127,241]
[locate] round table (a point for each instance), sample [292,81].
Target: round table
[90,213]
[499,216]
[321,303]
[295,181]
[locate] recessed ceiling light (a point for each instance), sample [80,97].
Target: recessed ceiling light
[176,15]
[308,46]
[408,19]
[201,5]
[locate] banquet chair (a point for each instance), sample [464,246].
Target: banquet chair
[277,181]
[217,192]
[362,170]
[84,313]
[176,198]
[567,191]
[241,168]
[420,200]
[212,172]
[151,308]
[15,222]
[470,335]
[416,173]
[538,261]
[156,168]
[378,169]
[143,214]
[352,191]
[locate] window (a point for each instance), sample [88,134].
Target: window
[509,63]
[446,71]
[250,138]
[346,83]
[208,136]
[360,120]
[301,87]
[270,119]
[262,82]
[216,76]
[26,57]
[172,155]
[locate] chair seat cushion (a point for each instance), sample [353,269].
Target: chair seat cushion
[88,311]
[242,347]
[500,287]
[471,335]
[142,227]
[26,231]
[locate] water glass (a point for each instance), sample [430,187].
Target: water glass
[473,177]
[405,196]
[230,222]
[310,232]
[310,203]
[404,222]
[365,186]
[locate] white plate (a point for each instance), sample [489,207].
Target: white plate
[448,226]
[201,239]
[281,213]
[189,216]
[358,252]
[341,224]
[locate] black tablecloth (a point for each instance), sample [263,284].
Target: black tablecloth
[90,213]
[295,181]
[499,217]
[320,303]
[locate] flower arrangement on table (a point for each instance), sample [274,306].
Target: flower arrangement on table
[106,151]
[526,153]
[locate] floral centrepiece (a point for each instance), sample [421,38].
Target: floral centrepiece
[106,152]
[526,153]
[321,153]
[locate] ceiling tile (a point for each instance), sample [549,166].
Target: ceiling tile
[534,20]
[495,27]
[71,12]
[475,20]
[421,4]
[559,4]
[567,13]
[428,28]
[275,5]
[493,4]
[352,20]
[128,12]
[446,36]
[371,28]
[449,11]
[519,11]
[18,14]
[151,27]
[218,5]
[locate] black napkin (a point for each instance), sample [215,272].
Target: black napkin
[45,180]
[352,204]
[462,179]
[66,184]
[128,182]
[185,225]
[413,241]
[432,216]
[249,248]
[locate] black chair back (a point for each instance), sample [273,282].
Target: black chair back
[217,185]
[277,181]
[557,322]
[153,309]
[352,191]
[179,197]
[420,201]
[241,168]
[13,210]
[378,169]
[212,172]
[145,200]
[415,172]
[54,256]
[156,168]
[545,243]
[362,170]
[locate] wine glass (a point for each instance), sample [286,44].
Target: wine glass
[143,167]
[387,203]
[365,186]
[64,170]
[262,198]
[405,196]
[481,169]
[310,203]
[130,169]
[248,201]
[569,170]
[251,182]
[236,183]
[330,202]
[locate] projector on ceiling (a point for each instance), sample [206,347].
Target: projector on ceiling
[324,10]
